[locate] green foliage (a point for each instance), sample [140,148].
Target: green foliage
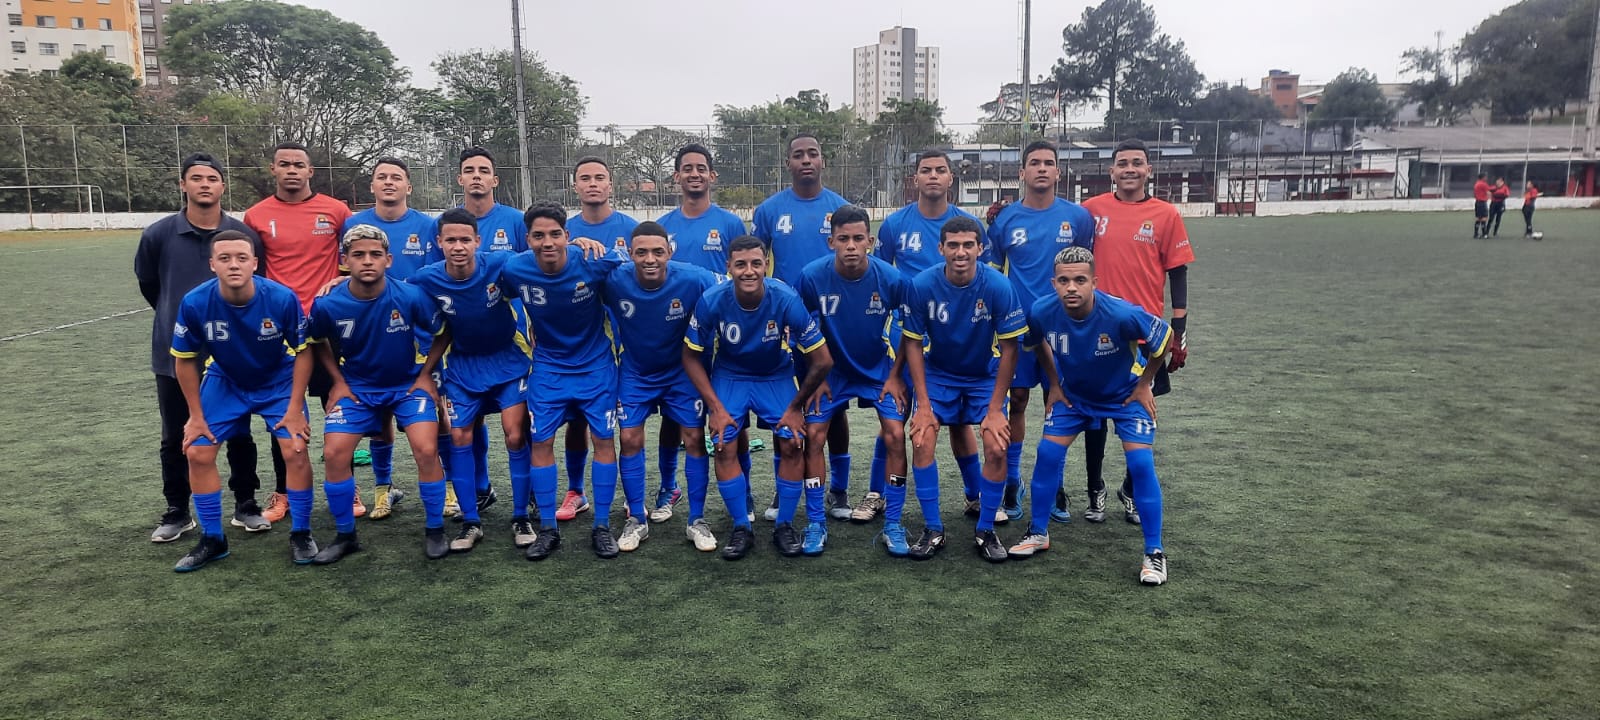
[1529,57]
[1354,93]
[752,142]
[1227,109]
[1117,56]
[647,156]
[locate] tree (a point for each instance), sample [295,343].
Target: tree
[646,159]
[1116,56]
[330,84]
[1353,94]
[1436,95]
[1228,109]
[751,142]
[1531,56]
[1044,104]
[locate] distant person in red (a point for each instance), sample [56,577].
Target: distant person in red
[1497,205]
[1480,207]
[299,231]
[1530,193]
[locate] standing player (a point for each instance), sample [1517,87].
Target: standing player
[1142,250]
[299,231]
[598,221]
[172,259]
[1497,205]
[1530,195]
[853,296]
[651,300]
[1100,356]
[699,232]
[962,324]
[1024,240]
[795,224]
[749,322]
[253,332]
[484,371]
[1480,207]
[574,372]
[500,228]
[417,236]
[370,334]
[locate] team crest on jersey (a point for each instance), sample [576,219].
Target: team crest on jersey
[1105,346]
[980,312]
[713,240]
[827,224]
[269,329]
[772,331]
[622,245]
[875,305]
[397,322]
[413,244]
[581,292]
[675,309]
[493,291]
[1066,231]
[323,225]
[500,241]
[1148,229]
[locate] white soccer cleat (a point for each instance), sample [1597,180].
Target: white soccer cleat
[1154,569]
[699,533]
[633,533]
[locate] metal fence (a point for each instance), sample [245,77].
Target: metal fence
[68,168]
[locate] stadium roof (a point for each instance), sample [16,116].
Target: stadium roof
[1459,138]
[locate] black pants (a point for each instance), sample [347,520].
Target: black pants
[1496,210]
[1527,218]
[241,451]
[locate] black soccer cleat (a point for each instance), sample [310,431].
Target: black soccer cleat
[434,544]
[990,547]
[302,547]
[928,545]
[208,550]
[548,540]
[739,543]
[787,539]
[605,546]
[486,500]
[343,544]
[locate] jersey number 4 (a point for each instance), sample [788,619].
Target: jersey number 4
[785,224]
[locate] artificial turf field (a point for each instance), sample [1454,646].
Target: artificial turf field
[1380,501]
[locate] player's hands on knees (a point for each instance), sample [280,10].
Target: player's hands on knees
[895,388]
[1144,396]
[340,391]
[591,248]
[721,425]
[924,427]
[299,430]
[996,424]
[425,383]
[328,286]
[795,423]
[195,429]
[814,403]
[1055,395]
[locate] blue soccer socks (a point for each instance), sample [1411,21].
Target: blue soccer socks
[1146,496]
[1048,467]
[341,497]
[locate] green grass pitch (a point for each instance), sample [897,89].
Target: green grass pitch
[1380,491]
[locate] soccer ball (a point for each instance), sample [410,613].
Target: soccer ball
[1537,235]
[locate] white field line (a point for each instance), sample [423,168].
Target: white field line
[124,313]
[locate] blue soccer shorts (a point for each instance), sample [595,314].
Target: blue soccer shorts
[958,403]
[463,408]
[768,399]
[554,396]
[1133,423]
[369,415]
[673,396]
[843,389]
[228,408]
[1029,374]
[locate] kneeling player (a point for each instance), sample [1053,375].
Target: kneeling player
[254,333]
[370,334]
[853,295]
[747,321]
[651,299]
[965,314]
[1100,355]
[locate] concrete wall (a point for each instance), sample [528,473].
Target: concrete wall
[136,221]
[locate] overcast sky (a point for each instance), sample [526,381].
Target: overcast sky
[654,62]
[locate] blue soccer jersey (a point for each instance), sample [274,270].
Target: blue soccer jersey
[478,309]
[1100,357]
[251,346]
[702,241]
[380,343]
[795,230]
[910,241]
[752,344]
[853,315]
[1023,242]
[413,240]
[502,229]
[616,231]
[960,327]
[565,310]
[651,323]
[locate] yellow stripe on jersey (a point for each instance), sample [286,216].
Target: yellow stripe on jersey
[817,344]
[185,355]
[693,346]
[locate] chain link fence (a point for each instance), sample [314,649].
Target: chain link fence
[1232,164]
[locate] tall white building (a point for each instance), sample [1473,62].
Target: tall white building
[896,67]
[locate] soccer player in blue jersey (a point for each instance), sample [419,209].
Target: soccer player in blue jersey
[699,232]
[253,331]
[795,225]
[370,334]
[853,295]
[485,370]
[748,324]
[909,238]
[962,321]
[651,299]
[1100,355]
[415,235]
[1023,241]
[598,221]
[574,371]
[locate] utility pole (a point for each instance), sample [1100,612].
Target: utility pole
[1027,47]
[526,174]
[1591,121]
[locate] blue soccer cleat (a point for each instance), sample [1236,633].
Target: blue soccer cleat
[815,539]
